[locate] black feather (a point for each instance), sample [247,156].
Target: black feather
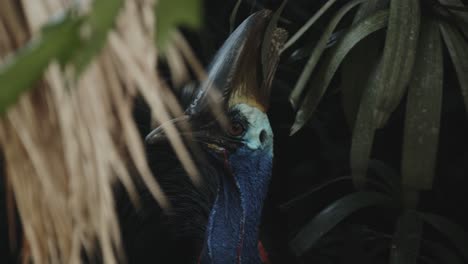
[177,234]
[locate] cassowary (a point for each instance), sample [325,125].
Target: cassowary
[218,221]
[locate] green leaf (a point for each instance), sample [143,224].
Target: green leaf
[387,83]
[308,24]
[407,239]
[21,71]
[368,8]
[94,32]
[74,40]
[332,215]
[458,50]
[358,64]
[331,63]
[318,51]
[460,16]
[423,110]
[454,232]
[287,205]
[173,13]
[364,130]
[399,56]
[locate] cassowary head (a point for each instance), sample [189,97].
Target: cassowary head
[239,136]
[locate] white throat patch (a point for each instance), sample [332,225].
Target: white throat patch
[258,122]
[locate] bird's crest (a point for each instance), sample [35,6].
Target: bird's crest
[243,69]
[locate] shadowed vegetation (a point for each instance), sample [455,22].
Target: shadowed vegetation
[368,106]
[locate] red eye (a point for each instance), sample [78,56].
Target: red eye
[236,129]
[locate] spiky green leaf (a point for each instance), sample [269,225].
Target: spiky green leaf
[368,8]
[364,130]
[458,50]
[461,17]
[21,71]
[387,83]
[358,64]
[294,201]
[332,215]
[317,53]
[308,24]
[423,110]
[331,63]
[73,40]
[399,56]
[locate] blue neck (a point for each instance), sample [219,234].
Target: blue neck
[232,231]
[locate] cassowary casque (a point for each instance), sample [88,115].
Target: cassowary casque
[218,221]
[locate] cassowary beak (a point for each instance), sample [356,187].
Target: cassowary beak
[158,134]
[241,72]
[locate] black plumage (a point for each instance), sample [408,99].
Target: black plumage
[175,235]
[217,221]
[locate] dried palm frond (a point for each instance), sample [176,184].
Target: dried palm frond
[67,141]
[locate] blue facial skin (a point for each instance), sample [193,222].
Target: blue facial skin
[232,231]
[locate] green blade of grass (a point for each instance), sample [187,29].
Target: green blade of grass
[332,215]
[457,47]
[407,239]
[318,51]
[423,110]
[331,63]
[21,71]
[399,56]
[454,232]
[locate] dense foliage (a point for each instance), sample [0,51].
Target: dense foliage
[375,93]
[376,168]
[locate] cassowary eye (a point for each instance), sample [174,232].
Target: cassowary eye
[236,129]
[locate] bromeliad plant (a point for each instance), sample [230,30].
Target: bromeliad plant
[392,49]
[336,228]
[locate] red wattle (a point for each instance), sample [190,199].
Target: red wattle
[263,253]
